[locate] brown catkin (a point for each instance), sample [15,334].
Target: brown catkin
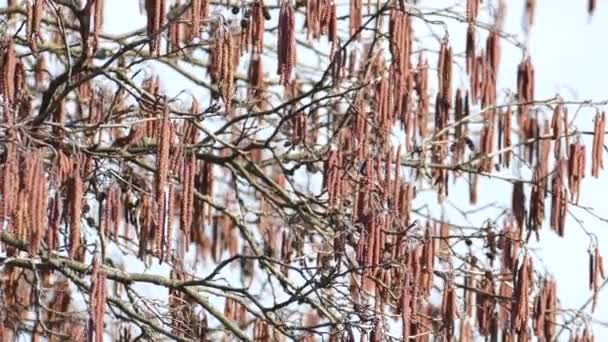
[518,204]
[8,67]
[530,8]
[286,45]
[556,125]
[598,144]
[76,193]
[223,65]
[34,20]
[98,300]
[162,172]
[257,85]
[187,206]
[155,13]
[591,6]
[98,14]
[355,17]
[470,48]
[257,27]
[40,71]
[52,233]
[196,7]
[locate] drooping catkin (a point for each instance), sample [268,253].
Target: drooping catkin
[168,223]
[155,13]
[472,10]
[470,48]
[529,12]
[596,274]
[162,172]
[257,27]
[286,44]
[355,17]
[56,211]
[598,144]
[556,125]
[176,32]
[75,195]
[449,309]
[576,169]
[559,197]
[421,86]
[96,16]
[38,200]
[34,19]
[591,6]
[40,71]
[518,204]
[8,67]
[98,297]
[525,89]
[222,64]
[257,82]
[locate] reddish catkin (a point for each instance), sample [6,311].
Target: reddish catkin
[470,48]
[155,13]
[591,6]
[529,11]
[421,80]
[98,300]
[98,14]
[556,125]
[286,45]
[170,210]
[256,28]
[518,204]
[175,34]
[162,172]
[75,196]
[448,308]
[7,67]
[507,135]
[187,206]
[576,169]
[35,13]
[52,233]
[559,200]
[355,18]
[598,144]
[40,71]
[257,85]
[472,10]
[596,274]
[222,64]
[38,199]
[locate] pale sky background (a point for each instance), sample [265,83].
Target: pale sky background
[571,58]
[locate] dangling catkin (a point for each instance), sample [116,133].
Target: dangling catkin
[286,45]
[75,196]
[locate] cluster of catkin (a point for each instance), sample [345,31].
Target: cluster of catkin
[235,311]
[321,20]
[222,65]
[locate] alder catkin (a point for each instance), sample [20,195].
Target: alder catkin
[286,44]
[75,196]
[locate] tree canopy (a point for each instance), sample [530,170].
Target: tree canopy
[293,182]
